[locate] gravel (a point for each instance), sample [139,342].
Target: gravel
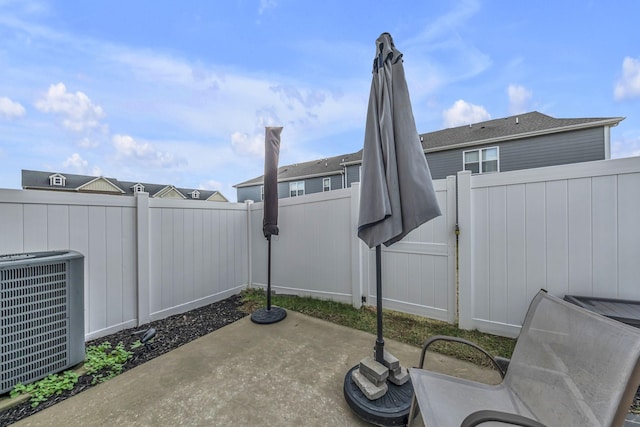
[171,333]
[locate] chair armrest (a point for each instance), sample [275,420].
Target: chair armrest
[503,362]
[436,338]
[484,416]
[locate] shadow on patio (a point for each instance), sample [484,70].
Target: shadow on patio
[290,373]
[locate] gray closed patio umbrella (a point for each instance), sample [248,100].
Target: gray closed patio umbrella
[270,314]
[271,155]
[396,196]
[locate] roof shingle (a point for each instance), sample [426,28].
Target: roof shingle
[512,127]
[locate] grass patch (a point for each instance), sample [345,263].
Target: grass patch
[406,328]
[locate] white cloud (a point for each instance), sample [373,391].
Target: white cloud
[127,146]
[519,97]
[88,143]
[10,109]
[463,113]
[144,152]
[151,67]
[243,143]
[211,185]
[76,162]
[458,58]
[628,85]
[79,113]
[220,101]
[291,95]
[626,146]
[266,4]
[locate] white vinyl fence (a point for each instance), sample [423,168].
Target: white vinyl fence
[312,255]
[419,272]
[198,253]
[317,253]
[144,258]
[572,229]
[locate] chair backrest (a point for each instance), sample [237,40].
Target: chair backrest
[574,367]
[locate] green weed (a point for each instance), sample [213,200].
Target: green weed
[42,390]
[104,362]
[101,361]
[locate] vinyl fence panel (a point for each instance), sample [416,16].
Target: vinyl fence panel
[144,259]
[311,256]
[569,229]
[198,254]
[98,226]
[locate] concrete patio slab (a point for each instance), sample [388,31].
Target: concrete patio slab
[288,374]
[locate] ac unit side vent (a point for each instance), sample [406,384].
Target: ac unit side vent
[39,307]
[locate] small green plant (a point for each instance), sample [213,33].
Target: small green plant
[41,390]
[105,362]
[102,361]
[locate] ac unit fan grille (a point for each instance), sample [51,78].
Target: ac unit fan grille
[33,322]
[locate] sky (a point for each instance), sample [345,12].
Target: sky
[180,93]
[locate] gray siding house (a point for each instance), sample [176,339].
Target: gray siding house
[306,178]
[55,181]
[523,141]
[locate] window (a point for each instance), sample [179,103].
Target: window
[262,192]
[195,194]
[57,180]
[484,160]
[326,184]
[138,188]
[296,188]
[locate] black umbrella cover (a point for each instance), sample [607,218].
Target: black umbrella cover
[271,154]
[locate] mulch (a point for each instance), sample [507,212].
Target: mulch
[171,333]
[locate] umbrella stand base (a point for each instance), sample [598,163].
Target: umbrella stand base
[263,316]
[392,409]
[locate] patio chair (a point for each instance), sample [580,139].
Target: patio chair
[570,367]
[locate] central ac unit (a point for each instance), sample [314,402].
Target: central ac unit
[41,315]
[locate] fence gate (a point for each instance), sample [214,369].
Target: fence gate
[419,272]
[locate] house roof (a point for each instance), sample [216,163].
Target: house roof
[490,131]
[321,167]
[512,127]
[39,180]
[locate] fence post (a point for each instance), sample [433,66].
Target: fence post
[249,204]
[451,221]
[356,248]
[465,261]
[142,228]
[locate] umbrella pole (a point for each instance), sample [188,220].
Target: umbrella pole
[269,314]
[269,273]
[270,219]
[379,340]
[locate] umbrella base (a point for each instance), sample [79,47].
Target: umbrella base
[263,316]
[392,409]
